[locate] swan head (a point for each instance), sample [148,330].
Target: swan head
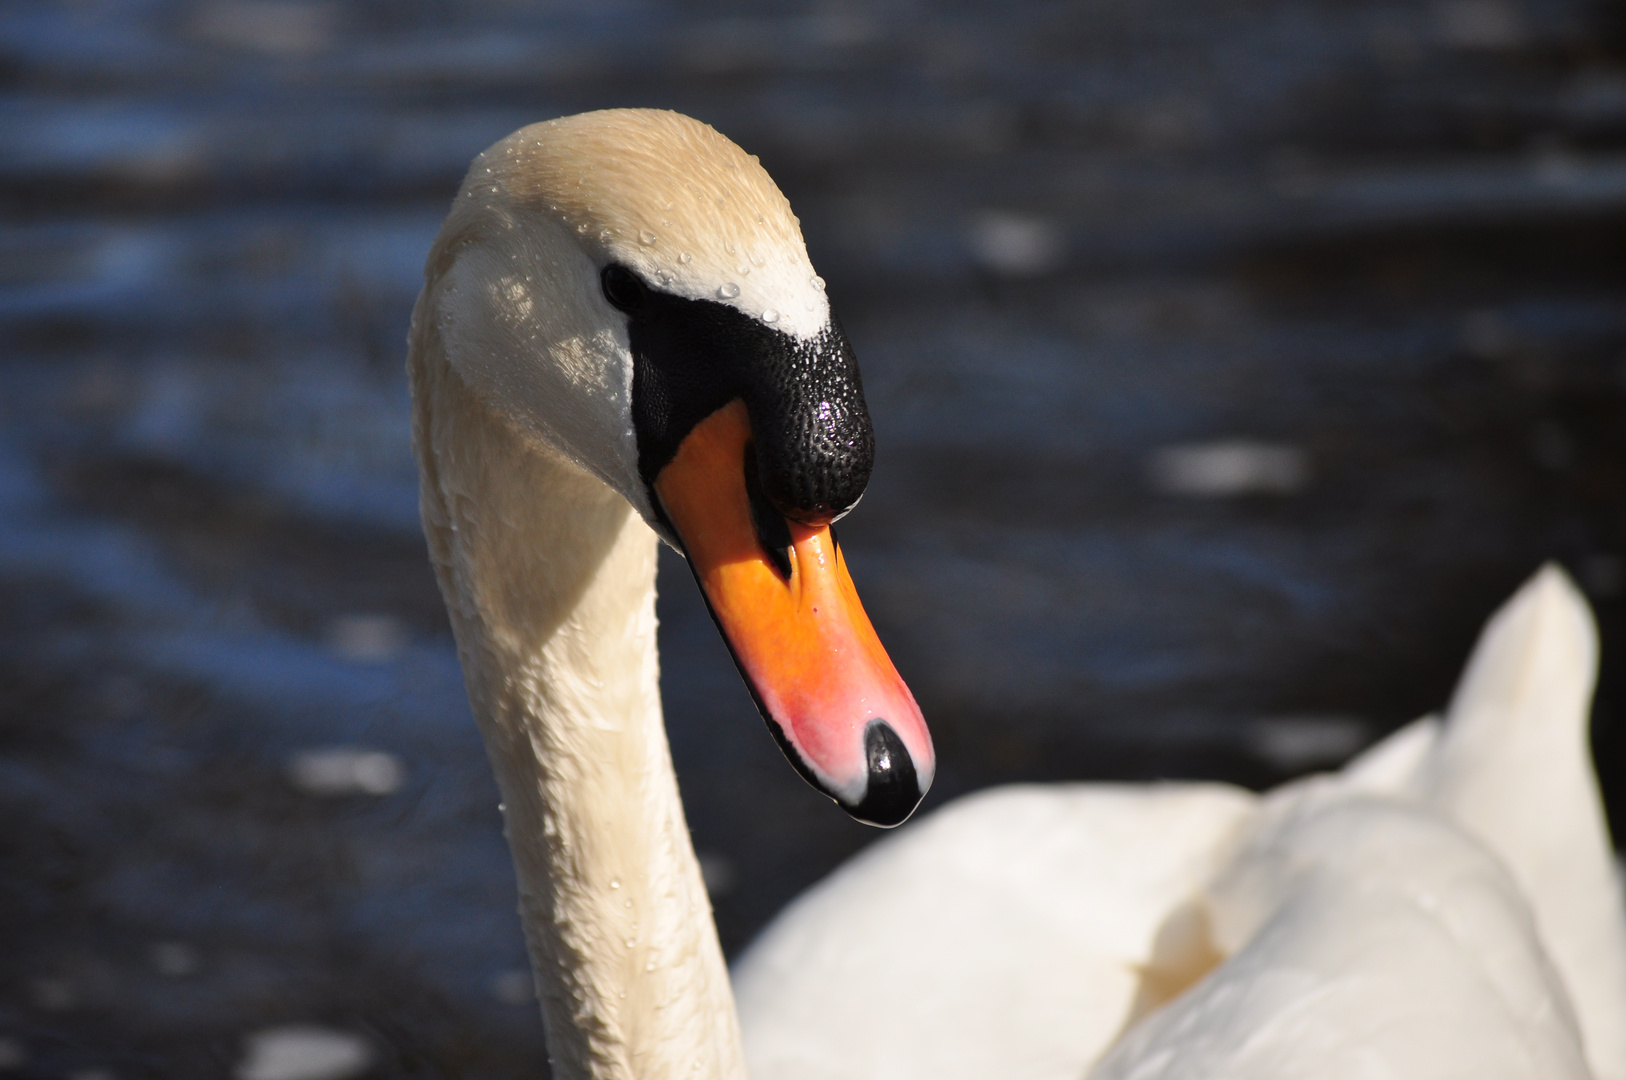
[631,289]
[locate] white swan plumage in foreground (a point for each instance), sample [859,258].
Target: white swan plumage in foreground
[1445,906]
[620,335]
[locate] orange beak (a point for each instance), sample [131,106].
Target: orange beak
[820,676]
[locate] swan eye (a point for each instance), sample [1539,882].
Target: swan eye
[622,288]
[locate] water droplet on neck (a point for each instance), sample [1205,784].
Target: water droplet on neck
[645,237]
[583,227]
[729,247]
[685,258]
[817,282]
[757,259]
[631,943]
[604,235]
[770,316]
[615,883]
[742,270]
[728,291]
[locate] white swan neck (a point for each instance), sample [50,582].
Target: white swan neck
[549,578]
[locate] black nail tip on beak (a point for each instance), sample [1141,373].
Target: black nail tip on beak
[894,789]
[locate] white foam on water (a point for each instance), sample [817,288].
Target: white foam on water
[1229,468]
[303,1052]
[332,771]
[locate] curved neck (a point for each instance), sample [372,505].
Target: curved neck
[549,578]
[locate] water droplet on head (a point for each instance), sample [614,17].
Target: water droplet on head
[728,291]
[756,257]
[631,943]
[818,282]
[583,227]
[742,270]
[604,235]
[685,257]
[770,316]
[615,883]
[729,247]
[645,237]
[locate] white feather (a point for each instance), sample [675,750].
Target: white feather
[1444,907]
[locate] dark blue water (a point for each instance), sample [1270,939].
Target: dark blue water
[1229,362]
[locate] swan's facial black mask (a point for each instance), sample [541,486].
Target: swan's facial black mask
[740,427]
[814,446]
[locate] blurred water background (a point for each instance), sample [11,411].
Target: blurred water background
[1230,360]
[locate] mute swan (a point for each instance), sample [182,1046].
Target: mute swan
[1445,906]
[620,336]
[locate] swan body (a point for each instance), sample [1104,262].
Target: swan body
[1445,906]
[621,338]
